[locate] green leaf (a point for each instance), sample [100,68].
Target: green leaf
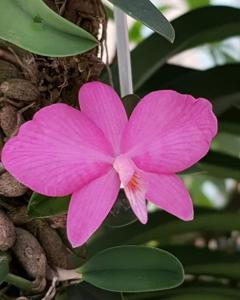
[194,169]
[168,232]
[219,84]
[227,143]
[191,31]
[133,269]
[221,165]
[135,33]
[205,262]
[4,269]
[43,207]
[164,229]
[37,28]
[193,291]
[148,14]
[197,3]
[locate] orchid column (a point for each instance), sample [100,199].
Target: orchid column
[123,52]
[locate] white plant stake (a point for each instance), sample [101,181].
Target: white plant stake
[123,52]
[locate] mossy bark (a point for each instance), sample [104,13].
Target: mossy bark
[47,80]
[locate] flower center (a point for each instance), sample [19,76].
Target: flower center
[134,184]
[129,174]
[126,169]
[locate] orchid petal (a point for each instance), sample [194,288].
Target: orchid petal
[169,193]
[104,107]
[169,132]
[134,185]
[90,206]
[137,200]
[57,152]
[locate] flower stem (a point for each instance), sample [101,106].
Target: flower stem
[123,52]
[19,282]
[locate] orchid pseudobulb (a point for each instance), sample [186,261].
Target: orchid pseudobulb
[93,152]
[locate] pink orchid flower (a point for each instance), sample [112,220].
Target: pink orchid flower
[92,153]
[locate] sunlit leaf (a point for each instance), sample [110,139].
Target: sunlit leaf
[148,14]
[197,3]
[37,28]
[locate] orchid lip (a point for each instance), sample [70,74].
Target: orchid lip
[133,181]
[129,174]
[125,168]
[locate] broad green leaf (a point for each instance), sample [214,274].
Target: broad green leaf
[219,84]
[164,229]
[37,28]
[43,207]
[199,261]
[148,14]
[85,291]
[169,73]
[194,169]
[227,143]
[133,269]
[191,31]
[4,269]
[215,223]
[221,165]
[194,291]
